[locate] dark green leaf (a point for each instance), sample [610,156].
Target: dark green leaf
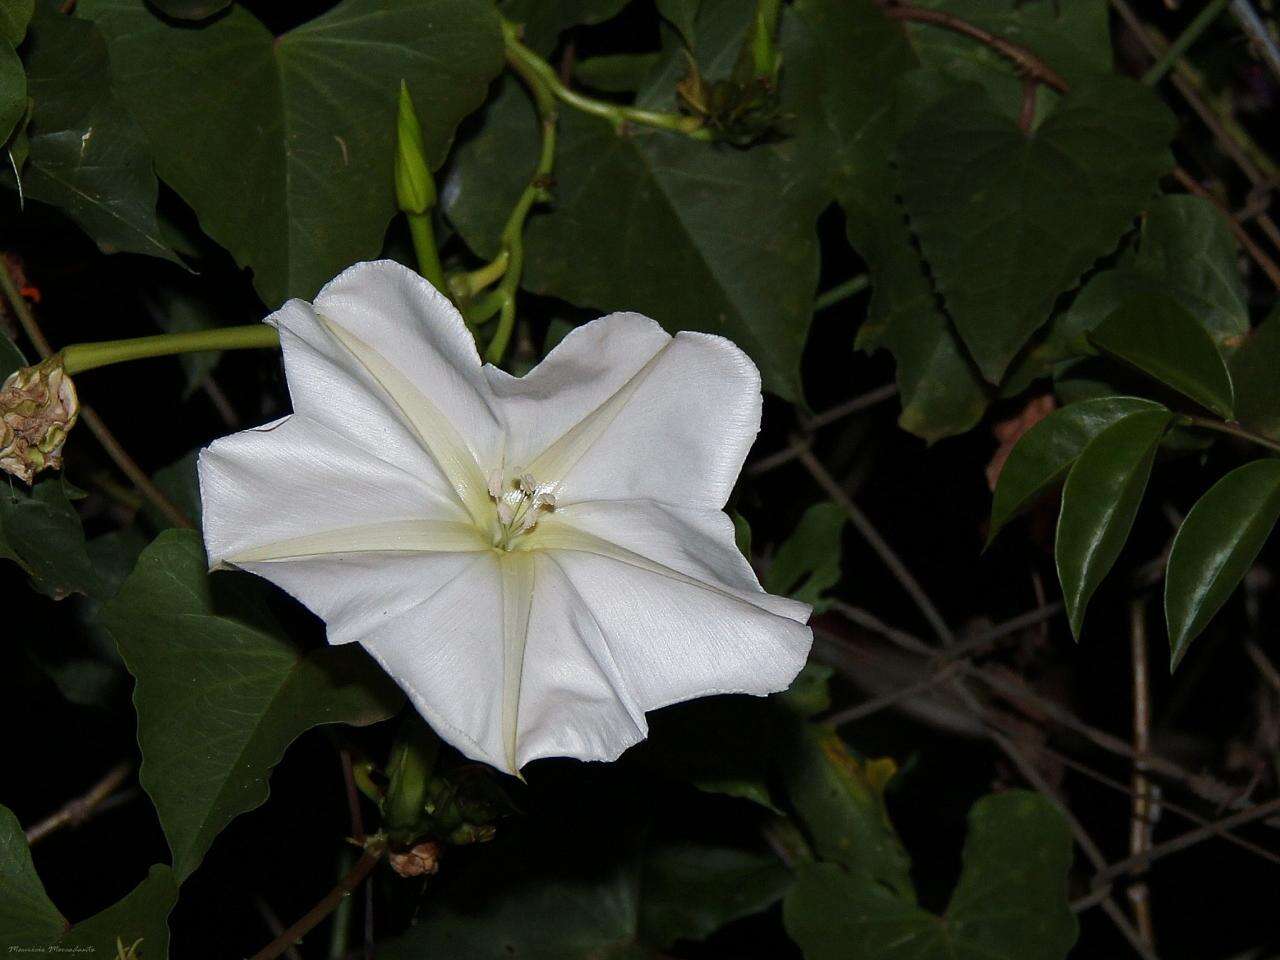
[141,919]
[741,533]
[27,917]
[674,202]
[87,155]
[1153,333]
[840,801]
[1255,370]
[289,166]
[1010,904]
[11,358]
[544,20]
[190,9]
[1099,502]
[807,564]
[810,692]
[1008,221]
[1216,545]
[683,15]
[14,17]
[41,532]
[242,694]
[1046,452]
[13,90]
[615,73]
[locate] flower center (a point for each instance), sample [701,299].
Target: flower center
[519,501]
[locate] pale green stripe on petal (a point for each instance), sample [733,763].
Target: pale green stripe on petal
[428,422]
[517,600]
[394,536]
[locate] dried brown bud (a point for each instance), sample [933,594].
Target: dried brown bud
[424,858]
[38,407]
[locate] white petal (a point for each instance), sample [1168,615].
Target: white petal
[619,410]
[573,701]
[675,639]
[297,478]
[446,652]
[382,345]
[517,600]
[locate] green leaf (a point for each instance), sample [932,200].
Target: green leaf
[289,166]
[41,532]
[14,17]
[1099,503]
[13,90]
[141,919]
[1255,370]
[807,564]
[683,15]
[544,20]
[11,357]
[615,73]
[1046,452]
[87,155]
[1010,903]
[676,200]
[190,9]
[1156,335]
[1008,221]
[840,801]
[1216,545]
[27,917]
[239,692]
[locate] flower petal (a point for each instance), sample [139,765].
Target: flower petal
[297,478]
[380,330]
[620,410]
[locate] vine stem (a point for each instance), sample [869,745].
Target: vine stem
[1180,46]
[77,811]
[80,357]
[1232,429]
[309,920]
[128,466]
[424,248]
[533,69]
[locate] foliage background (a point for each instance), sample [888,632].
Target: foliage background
[922,259]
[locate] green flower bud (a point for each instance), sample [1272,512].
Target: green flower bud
[415,190]
[38,407]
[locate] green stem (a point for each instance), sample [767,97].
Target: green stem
[1233,430]
[80,357]
[467,285]
[1180,46]
[424,247]
[764,56]
[536,71]
[841,291]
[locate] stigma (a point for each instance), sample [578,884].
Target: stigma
[519,502]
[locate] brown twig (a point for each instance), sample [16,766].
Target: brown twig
[363,867]
[1143,818]
[273,924]
[823,419]
[75,812]
[1027,115]
[128,466]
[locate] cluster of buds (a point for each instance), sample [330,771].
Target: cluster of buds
[38,407]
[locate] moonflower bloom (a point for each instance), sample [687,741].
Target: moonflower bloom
[536,560]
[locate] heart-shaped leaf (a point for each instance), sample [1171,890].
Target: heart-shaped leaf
[140,921]
[1215,547]
[1155,334]
[1010,903]
[28,917]
[1008,220]
[1046,452]
[41,532]
[219,699]
[288,158]
[1099,502]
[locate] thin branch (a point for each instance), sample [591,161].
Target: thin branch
[825,418]
[75,812]
[364,866]
[273,924]
[1143,816]
[878,543]
[841,291]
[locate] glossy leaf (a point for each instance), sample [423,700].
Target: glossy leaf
[1010,903]
[678,200]
[240,692]
[807,563]
[41,532]
[1009,221]
[1255,371]
[1046,452]
[1099,502]
[1216,545]
[292,171]
[87,156]
[140,920]
[1156,335]
[28,917]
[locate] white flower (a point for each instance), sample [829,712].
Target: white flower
[537,561]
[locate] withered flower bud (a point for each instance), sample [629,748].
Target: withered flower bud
[38,407]
[424,858]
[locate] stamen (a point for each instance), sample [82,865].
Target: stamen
[518,504]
